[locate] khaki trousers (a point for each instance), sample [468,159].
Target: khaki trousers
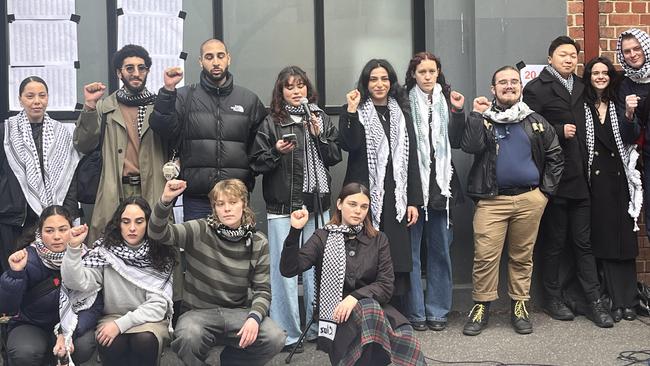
[517,219]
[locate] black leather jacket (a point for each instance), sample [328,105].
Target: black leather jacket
[480,139]
[283,173]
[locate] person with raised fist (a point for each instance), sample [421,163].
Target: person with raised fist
[438,120]
[227,258]
[31,288]
[212,124]
[517,164]
[132,153]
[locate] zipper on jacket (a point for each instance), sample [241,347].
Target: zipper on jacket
[219,137]
[291,175]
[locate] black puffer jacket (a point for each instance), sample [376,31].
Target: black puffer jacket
[219,130]
[479,139]
[283,173]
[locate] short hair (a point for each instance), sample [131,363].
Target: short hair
[557,42]
[627,36]
[234,188]
[212,40]
[503,68]
[29,79]
[130,50]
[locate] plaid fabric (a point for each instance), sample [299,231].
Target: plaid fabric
[567,83]
[641,75]
[401,343]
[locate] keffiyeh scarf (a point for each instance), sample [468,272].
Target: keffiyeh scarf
[141,100]
[567,83]
[232,235]
[641,75]
[333,277]
[514,114]
[431,121]
[629,157]
[47,185]
[132,264]
[313,169]
[50,259]
[378,149]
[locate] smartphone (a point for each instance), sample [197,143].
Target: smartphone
[289,137]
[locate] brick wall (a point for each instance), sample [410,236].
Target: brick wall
[614,17]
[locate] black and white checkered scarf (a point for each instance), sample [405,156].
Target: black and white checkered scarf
[641,75]
[629,157]
[567,83]
[232,235]
[50,259]
[378,150]
[50,185]
[313,169]
[132,264]
[333,276]
[141,100]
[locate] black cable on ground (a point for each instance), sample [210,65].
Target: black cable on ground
[483,363]
[633,357]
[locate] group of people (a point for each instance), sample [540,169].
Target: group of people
[119,284]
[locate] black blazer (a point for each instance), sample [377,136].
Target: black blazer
[548,97]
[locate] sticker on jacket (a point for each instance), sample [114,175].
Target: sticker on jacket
[237,108]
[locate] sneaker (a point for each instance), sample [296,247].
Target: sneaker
[437,325]
[420,326]
[599,315]
[519,317]
[556,309]
[477,319]
[289,347]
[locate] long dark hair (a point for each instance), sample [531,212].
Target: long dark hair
[348,190]
[277,99]
[413,65]
[591,96]
[29,235]
[161,255]
[395,90]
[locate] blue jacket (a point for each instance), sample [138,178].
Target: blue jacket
[43,311]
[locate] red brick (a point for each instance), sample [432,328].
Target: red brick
[640,266]
[609,54]
[622,6]
[607,32]
[570,22]
[639,7]
[605,7]
[575,7]
[644,253]
[603,20]
[643,277]
[579,19]
[627,19]
[576,32]
[612,44]
[645,18]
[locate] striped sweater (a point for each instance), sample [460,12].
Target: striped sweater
[219,272]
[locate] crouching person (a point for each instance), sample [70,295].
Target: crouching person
[226,258]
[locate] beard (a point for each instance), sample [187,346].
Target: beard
[131,89]
[215,79]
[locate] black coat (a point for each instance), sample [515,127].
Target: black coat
[548,97]
[283,173]
[352,138]
[642,112]
[479,140]
[612,235]
[219,131]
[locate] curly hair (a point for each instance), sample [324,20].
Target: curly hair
[161,255]
[234,188]
[130,50]
[277,98]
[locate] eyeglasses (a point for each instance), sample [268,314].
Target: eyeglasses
[131,68]
[504,82]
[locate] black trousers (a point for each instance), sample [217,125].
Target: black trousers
[567,222]
[619,281]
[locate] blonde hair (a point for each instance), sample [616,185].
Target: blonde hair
[233,188]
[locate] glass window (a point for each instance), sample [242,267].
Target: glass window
[356,31]
[265,36]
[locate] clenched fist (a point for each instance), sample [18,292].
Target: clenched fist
[92,93]
[172,76]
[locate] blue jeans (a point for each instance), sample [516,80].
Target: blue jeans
[196,208]
[435,303]
[284,291]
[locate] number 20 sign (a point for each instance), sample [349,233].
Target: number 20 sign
[530,72]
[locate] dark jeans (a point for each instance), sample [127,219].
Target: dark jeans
[29,345]
[568,220]
[196,208]
[131,349]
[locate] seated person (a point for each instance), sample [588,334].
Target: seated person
[31,288]
[226,258]
[357,325]
[135,274]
